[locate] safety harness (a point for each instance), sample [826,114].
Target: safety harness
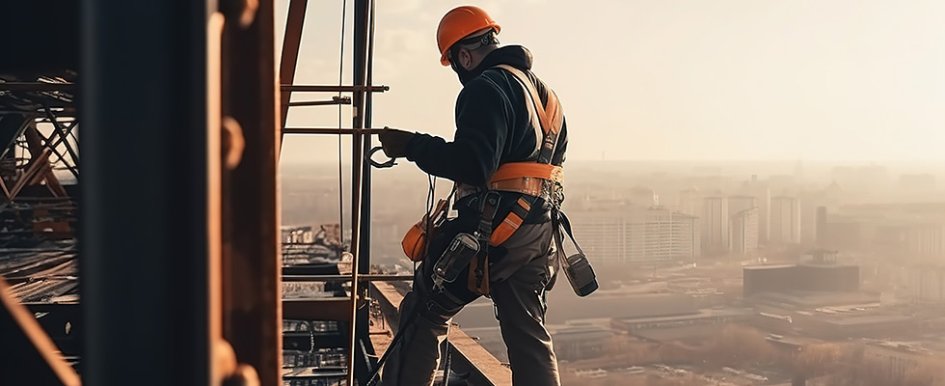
[533,180]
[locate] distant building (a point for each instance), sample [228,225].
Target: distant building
[629,233]
[800,277]
[821,231]
[660,234]
[580,341]
[926,240]
[737,204]
[695,325]
[715,226]
[689,201]
[811,201]
[785,220]
[761,191]
[927,283]
[744,232]
[601,234]
[644,197]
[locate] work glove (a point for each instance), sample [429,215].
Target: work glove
[395,142]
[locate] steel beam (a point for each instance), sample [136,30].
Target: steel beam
[252,318]
[159,46]
[291,42]
[357,88]
[28,356]
[337,309]
[36,86]
[467,352]
[333,102]
[344,278]
[330,130]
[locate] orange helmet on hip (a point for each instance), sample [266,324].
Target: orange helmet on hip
[459,23]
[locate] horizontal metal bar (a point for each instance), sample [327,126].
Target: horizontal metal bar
[334,101]
[309,341]
[35,86]
[21,279]
[329,130]
[52,307]
[65,109]
[321,278]
[324,88]
[337,309]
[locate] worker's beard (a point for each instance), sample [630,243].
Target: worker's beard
[463,74]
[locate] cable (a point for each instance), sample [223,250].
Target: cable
[428,224]
[447,364]
[341,71]
[412,313]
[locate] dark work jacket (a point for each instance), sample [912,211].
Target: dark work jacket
[492,128]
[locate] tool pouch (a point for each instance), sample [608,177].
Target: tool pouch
[455,259]
[576,267]
[417,239]
[580,274]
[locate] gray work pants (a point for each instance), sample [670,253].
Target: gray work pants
[520,280]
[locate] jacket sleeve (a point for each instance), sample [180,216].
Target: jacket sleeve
[482,127]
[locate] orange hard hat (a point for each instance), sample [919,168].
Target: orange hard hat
[459,23]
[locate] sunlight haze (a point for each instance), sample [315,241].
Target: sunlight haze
[663,80]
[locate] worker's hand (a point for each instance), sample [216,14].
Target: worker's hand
[395,142]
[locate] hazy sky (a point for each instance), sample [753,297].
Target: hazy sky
[671,79]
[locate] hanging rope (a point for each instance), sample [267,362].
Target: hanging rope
[341,71]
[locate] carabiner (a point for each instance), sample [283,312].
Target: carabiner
[380,165]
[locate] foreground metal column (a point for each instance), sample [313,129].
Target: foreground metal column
[144,227]
[252,265]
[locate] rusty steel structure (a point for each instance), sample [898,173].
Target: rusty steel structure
[178,242]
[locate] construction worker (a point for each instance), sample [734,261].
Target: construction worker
[508,123]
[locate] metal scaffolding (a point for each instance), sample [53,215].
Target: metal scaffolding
[178,245]
[361,360]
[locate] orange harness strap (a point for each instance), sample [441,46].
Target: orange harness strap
[529,178]
[514,170]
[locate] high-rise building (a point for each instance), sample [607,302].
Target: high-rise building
[821,231]
[644,197]
[761,191]
[744,232]
[810,202]
[927,283]
[737,204]
[715,226]
[660,234]
[601,234]
[634,234]
[926,240]
[689,201]
[785,220]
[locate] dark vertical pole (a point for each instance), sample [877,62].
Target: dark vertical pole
[144,192]
[365,263]
[252,265]
[358,213]
[365,32]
